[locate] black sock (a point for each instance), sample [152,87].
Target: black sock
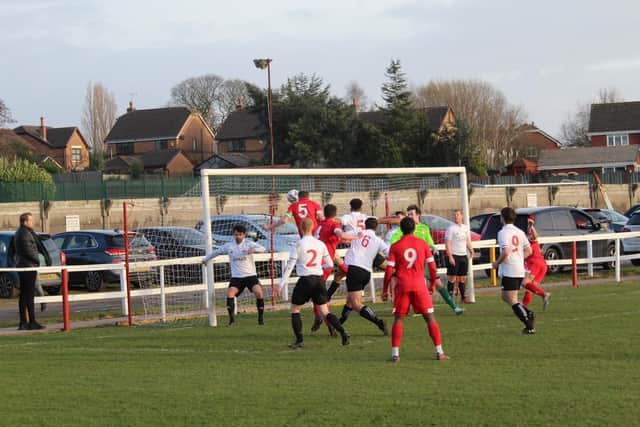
[296,324]
[346,311]
[450,287]
[520,311]
[260,305]
[231,309]
[333,288]
[333,320]
[368,314]
[461,289]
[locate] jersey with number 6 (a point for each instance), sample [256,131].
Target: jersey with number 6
[362,251]
[512,240]
[304,208]
[408,256]
[311,254]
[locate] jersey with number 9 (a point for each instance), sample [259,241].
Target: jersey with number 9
[408,256]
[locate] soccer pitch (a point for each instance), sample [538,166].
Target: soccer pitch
[581,368]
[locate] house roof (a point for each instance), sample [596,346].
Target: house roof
[150,160]
[7,148]
[152,124]
[586,157]
[532,128]
[435,116]
[230,160]
[242,124]
[614,117]
[56,137]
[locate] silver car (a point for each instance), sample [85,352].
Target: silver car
[632,244]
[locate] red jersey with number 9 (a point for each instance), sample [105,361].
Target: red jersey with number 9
[408,256]
[304,208]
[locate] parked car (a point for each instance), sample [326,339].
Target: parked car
[104,247]
[611,220]
[631,210]
[555,221]
[476,223]
[181,242]
[50,282]
[285,237]
[632,245]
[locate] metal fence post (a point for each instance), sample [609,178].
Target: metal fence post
[163,302]
[590,256]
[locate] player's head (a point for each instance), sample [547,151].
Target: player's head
[239,232]
[399,214]
[407,225]
[457,216]
[330,211]
[413,212]
[306,225]
[303,194]
[508,215]
[356,204]
[292,196]
[370,223]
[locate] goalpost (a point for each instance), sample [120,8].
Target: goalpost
[236,193]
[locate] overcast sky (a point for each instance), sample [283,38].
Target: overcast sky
[545,56]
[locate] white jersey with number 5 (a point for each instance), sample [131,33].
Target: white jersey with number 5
[353,221]
[311,254]
[362,251]
[513,240]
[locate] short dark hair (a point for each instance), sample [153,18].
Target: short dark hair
[24,216]
[399,213]
[355,204]
[330,211]
[407,225]
[371,223]
[414,208]
[240,228]
[303,194]
[508,215]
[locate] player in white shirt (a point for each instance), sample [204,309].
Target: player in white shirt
[243,270]
[310,258]
[359,258]
[354,220]
[457,241]
[514,248]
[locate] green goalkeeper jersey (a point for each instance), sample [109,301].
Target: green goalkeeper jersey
[422,231]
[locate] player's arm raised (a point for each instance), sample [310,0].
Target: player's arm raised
[221,250]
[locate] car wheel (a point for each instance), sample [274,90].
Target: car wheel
[93,281]
[52,290]
[6,286]
[611,251]
[553,254]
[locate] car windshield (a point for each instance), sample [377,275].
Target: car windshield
[634,220]
[288,228]
[436,222]
[617,217]
[189,236]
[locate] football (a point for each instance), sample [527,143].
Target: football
[292,196]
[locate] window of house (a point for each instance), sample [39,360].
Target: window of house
[237,145]
[616,140]
[162,145]
[194,144]
[76,155]
[532,151]
[124,148]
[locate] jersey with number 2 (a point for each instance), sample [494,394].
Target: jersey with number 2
[311,254]
[408,256]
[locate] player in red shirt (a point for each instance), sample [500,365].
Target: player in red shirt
[536,268]
[407,257]
[298,210]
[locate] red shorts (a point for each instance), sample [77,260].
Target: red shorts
[538,269]
[419,299]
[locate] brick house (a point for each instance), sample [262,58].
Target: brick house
[173,128]
[532,140]
[243,133]
[66,146]
[588,159]
[614,124]
[170,163]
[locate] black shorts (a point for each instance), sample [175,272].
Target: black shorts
[240,283]
[461,267]
[511,283]
[378,260]
[357,278]
[309,288]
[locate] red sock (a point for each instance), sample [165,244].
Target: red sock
[343,268]
[396,334]
[316,312]
[534,288]
[526,300]
[434,333]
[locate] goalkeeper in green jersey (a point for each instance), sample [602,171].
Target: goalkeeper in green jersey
[423,232]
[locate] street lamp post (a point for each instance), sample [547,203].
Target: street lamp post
[262,64]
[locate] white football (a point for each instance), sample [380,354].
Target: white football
[292,196]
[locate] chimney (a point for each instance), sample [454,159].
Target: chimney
[131,107]
[356,105]
[240,104]
[43,129]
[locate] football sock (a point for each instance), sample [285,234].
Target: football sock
[333,288]
[344,268]
[526,300]
[439,349]
[533,287]
[231,309]
[346,311]
[434,332]
[296,324]
[369,314]
[446,296]
[333,320]
[450,287]
[316,312]
[461,288]
[260,306]
[395,351]
[396,335]
[522,313]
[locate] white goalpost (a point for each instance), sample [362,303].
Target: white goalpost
[252,194]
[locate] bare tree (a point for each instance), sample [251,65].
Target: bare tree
[356,95]
[99,115]
[233,95]
[492,120]
[576,126]
[5,114]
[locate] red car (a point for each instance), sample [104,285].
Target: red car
[438,226]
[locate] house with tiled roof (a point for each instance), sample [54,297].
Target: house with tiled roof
[170,163]
[65,145]
[243,133]
[439,118]
[614,124]
[172,128]
[588,159]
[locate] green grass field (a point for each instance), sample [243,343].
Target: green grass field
[582,368]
